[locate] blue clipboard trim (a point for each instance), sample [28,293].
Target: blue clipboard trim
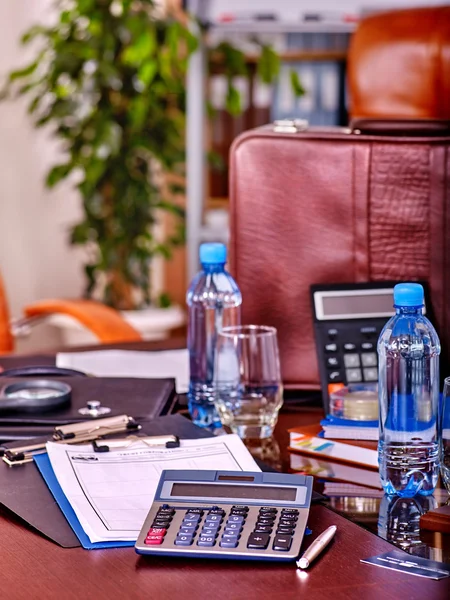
[45,468]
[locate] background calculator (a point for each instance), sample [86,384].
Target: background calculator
[227,514]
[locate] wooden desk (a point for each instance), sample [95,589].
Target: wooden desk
[31,567]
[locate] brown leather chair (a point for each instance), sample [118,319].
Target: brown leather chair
[104,322]
[399,65]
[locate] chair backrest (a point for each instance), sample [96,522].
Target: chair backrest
[6,338]
[399,65]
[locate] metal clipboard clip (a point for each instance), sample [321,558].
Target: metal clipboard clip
[76,433]
[166,441]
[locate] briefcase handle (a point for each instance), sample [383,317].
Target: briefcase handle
[401,127]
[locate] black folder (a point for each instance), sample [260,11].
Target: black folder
[24,492]
[139,398]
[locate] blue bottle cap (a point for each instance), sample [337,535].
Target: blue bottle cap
[408,294]
[213,254]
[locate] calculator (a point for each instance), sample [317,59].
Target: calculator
[348,319]
[227,514]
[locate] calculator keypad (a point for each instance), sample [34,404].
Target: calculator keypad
[348,361]
[206,528]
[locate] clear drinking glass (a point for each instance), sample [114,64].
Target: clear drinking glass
[445,436]
[248,388]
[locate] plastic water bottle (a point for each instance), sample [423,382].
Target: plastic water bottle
[408,390]
[214,301]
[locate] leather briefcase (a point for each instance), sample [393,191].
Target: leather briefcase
[332,205]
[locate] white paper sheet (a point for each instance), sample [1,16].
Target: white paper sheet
[130,363]
[111,493]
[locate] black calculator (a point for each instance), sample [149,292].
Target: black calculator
[227,514]
[348,319]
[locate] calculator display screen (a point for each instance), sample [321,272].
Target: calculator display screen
[249,492]
[357,304]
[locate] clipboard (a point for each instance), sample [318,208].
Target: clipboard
[24,492]
[45,468]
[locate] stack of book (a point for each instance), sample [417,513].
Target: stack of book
[348,429]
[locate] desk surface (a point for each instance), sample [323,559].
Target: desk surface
[33,567]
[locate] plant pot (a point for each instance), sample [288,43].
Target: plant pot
[152,323]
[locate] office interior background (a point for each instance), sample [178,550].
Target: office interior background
[36,259]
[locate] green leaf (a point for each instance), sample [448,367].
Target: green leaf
[28,70]
[164,300]
[296,84]
[57,174]
[148,71]
[32,33]
[233,100]
[143,47]
[268,65]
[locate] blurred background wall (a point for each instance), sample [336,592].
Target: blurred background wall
[35,259]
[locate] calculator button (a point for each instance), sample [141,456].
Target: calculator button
[368,331]
[211,525]
[351,360]
[153,540]
[268,509]
[239,511]
[191,518]
[229,542]
[216,511]
[334,376]
[353,375]
[157,531]
[209,531]
[289,517]
[192,525]
[187,530]
[183,540]
[331,348]
[349,347]
[195,511]
[292,511]
[262,521]
[240,507]
[367,346]
[258,541]
[369,359]
[161,523]
[214,518]
[233,526]
[332,334]
[282,542]
[286,530]
[206,540]
[370,374]
[262,528]
[286,523]
[332,361]
[169,512]
[236,519]
[228,531]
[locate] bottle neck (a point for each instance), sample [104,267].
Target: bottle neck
[408,310]
[213,267]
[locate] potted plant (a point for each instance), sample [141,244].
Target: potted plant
[108,79]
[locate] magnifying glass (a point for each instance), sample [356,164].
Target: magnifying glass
[35,395]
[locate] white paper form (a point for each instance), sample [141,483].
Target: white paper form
[111,493]
[131,363]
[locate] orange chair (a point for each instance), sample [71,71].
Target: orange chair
[104,322]
[399,65]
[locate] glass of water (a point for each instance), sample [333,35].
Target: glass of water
[247,380]
[445,436]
